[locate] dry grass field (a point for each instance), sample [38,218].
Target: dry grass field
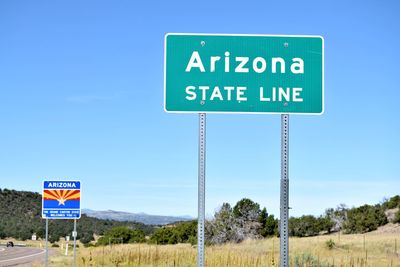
[376,249]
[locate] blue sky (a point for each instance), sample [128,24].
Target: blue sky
[81,97]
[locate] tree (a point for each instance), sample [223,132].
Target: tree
[325,224]
[337,216]
[262,218]
[306,225]
[397,217]
[86,237]
[184,232]
[122,234]
[119,233]
[271,227]
[53,238]
[163,236]
[223,227]
[247,210]
[137,236]
[20,216]
[364,219]
[24,234]
[392,203]
[2,232]
[247,214]
[244,221]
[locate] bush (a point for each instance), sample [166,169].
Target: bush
[244,221]
[86,237]
[330,244]
[364,219]
[192,240]
[270,227]
[307,260]
[53,238]
[308,225]
[184,232]
[122,235]
[392,203]
[137,236]
[247,209]
[164,236]
[336,218]
[397,217]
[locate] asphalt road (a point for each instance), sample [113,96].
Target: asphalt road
[20,256]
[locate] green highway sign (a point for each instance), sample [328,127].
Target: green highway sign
[232,73]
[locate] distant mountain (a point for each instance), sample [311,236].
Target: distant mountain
[135,217]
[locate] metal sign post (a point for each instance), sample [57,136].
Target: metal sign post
[201,188]
[47,249]
[284,216]
[74,234]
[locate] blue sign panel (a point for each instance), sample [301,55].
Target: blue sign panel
[61,200]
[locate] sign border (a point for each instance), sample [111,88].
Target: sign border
[254,35]
[63,218]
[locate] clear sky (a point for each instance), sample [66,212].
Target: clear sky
[81,97]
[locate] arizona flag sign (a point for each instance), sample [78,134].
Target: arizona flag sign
[61,200]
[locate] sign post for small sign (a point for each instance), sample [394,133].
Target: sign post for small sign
[61,200]
[74,234]
[237,73]
[46,261]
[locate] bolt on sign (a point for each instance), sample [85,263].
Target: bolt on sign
[222,73]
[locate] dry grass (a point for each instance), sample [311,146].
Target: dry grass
[378,250]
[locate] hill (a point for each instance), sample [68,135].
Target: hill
[136,217]
[20,217]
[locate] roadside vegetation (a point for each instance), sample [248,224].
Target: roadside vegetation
[246,220]
[243,234]
[356,250]
[20,217]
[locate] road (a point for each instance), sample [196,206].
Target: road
[20,256]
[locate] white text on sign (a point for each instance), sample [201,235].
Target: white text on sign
[241,64]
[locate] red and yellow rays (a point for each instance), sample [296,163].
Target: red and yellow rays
[62,195]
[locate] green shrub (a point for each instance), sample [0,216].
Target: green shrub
[20,217]
[308,225]
[392,203]
[121,234]
[397,217]
[307,260]
[364,219]
[330,244]
[184,232]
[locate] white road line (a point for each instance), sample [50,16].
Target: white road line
[23,257]
[2,249]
